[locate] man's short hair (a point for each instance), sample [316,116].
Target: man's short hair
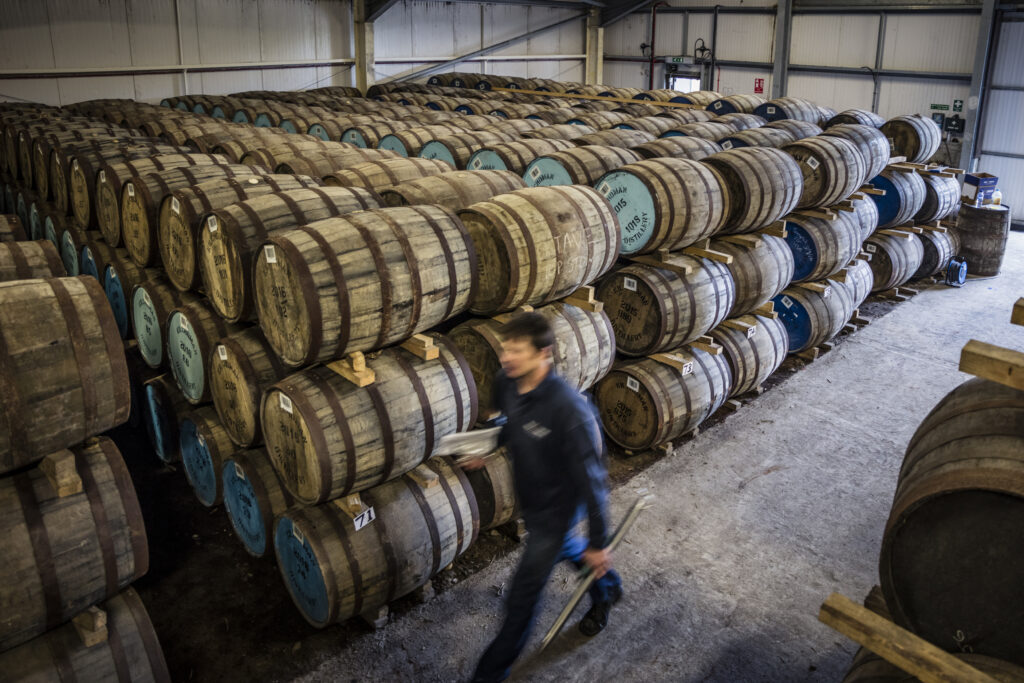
[532,326]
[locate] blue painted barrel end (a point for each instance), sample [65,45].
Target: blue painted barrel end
[162,435]
[435,149]
[243,508]
[798,323]
[393,143]
[889,203]
[118,298]
[301,571]
[805,251]
[199,469]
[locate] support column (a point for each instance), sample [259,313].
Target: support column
[594,68]
[363,31]
[975,100]
[876,94]
[783,32]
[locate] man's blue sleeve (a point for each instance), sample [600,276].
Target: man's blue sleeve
[583,448]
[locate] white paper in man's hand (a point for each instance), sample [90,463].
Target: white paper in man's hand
[474,444]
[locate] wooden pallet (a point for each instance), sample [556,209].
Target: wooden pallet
[815,352]
[901,293]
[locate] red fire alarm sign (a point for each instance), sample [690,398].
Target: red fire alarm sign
[758,85]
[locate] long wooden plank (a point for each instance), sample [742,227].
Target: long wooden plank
[1017,317]
[897,645]
[992,362]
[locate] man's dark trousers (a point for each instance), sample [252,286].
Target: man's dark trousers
[544,549]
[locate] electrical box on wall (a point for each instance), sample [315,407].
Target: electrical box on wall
[954,125]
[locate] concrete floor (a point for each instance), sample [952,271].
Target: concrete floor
[756,521]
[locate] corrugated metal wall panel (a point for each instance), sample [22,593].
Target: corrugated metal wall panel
[745,37]
[626,36]
[930,43]
[25,35]
[154,41]
[835,91]
[834,40]
[1004,122]
[730,81]
[1008,65]
[914,96]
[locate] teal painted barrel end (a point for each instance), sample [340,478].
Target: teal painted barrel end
[148,332]
[118,299]
[544,172]
[436,150]
[393,143]
[633,203]
[185,357]
[317,130]
[354,137]
[486,160]
[240,117]
[300,570]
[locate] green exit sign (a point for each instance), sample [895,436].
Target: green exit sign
[940,107]
[679,60]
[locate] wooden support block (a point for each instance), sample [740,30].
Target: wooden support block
[849,327]
[1017,316]
[377,618]
[864,256]
[908,291]
[702,249]
[424,476]
[871,189]
[845,205]
[352,505]
[897,160]
[422,346]
[424,593]
[707,344]
[823,214]
[743,240]
[731,405]
[776,229]
[665,259]
[766,310]
[667,448]
[901,233]
[91,626]
[841,275]
[896,645]
[756,391]
[819,287]
[910,227]
[857,196]
[941,174]
[736,324]
[354,369]
[810,355]
[994,363]
[59,468]
[681,362]
[584,298]
[933,226]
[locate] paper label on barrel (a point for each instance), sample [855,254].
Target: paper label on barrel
[717,105]
[75,166]
[175,205]
[770,110]
[812,162]
[629,283]
[751,331]
[131,190]
[222,352]
[270,253]
[632,384]
[285,403]
[363,518]
[827,293]
[211,224]
[103,176]
[870,248]
[239,472]
[534,172]
[727,144]
[298,535]
[787,302]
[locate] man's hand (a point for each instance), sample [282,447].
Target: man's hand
[473,464]
[600,561]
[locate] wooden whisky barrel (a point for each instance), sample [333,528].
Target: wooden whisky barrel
[644,403]
[869,141]
[540,244]
[821,247]
[895,257]
[708,130]
[762,266]
[25,260]
[357,283]
[181,213]
[233,234]
[788,108]
[120,278]
[11,229]
[111,178]
[983,233]
[599,120]
[941,198]
[193,330]
[63,554]
[861,117]
[740,103]
[584,348]
[679,147]
[559,131]
[757,137]
[615,137]
[686,115]
[152,303]
[70,242]
[832,169]
[454,190]
[655,125]
[754,346]
[409,142]
[456,149]
[494,489]
[813,315]
[334,572]
[904,196]
[763,183]
[578,166]
[798,129]
[165,407]
[324,163]
[937,249]
[130,651]
[949,559]
[514,156]
[270,157]
[913,136]
[665,203]
[858,280]
[738,121]
[253,498]
[376,175]
[143,195]
[369,135]
[655,309]
[95,255]
[205,447]
[63,375]
[322,451]
[866,212]
[242,367]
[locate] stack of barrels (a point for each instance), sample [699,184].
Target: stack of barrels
[73,536]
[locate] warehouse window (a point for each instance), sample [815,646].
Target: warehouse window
[684,83]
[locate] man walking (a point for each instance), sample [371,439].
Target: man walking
[556,448]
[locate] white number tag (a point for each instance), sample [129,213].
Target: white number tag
[270,253]
[727,144]
[211,223]
[239,472]
[751,331]
[175,205]
[870,248]
[298,534]
[363,518]
[629,283]
[812,162]
[787,302]
[222,351]
[827,293]
[632,384]
[131,190]
[285,403]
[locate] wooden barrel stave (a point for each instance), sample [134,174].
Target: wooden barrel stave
[454,190]
[679,147]
[27,260]
[11,229]
[866,212]
[789,108]
[983,233]
[708,130]
[754,349]
[253,498]
[937,248]
[616,137]
[762,266]
[861,117]
[869,141]
[832,169]
[494,489]
[894,258]
[376,175]
[757,137]
[941,198]
[738,103]
[859,280]
[821,247]
[559,131]
[763,183]
[813,316]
